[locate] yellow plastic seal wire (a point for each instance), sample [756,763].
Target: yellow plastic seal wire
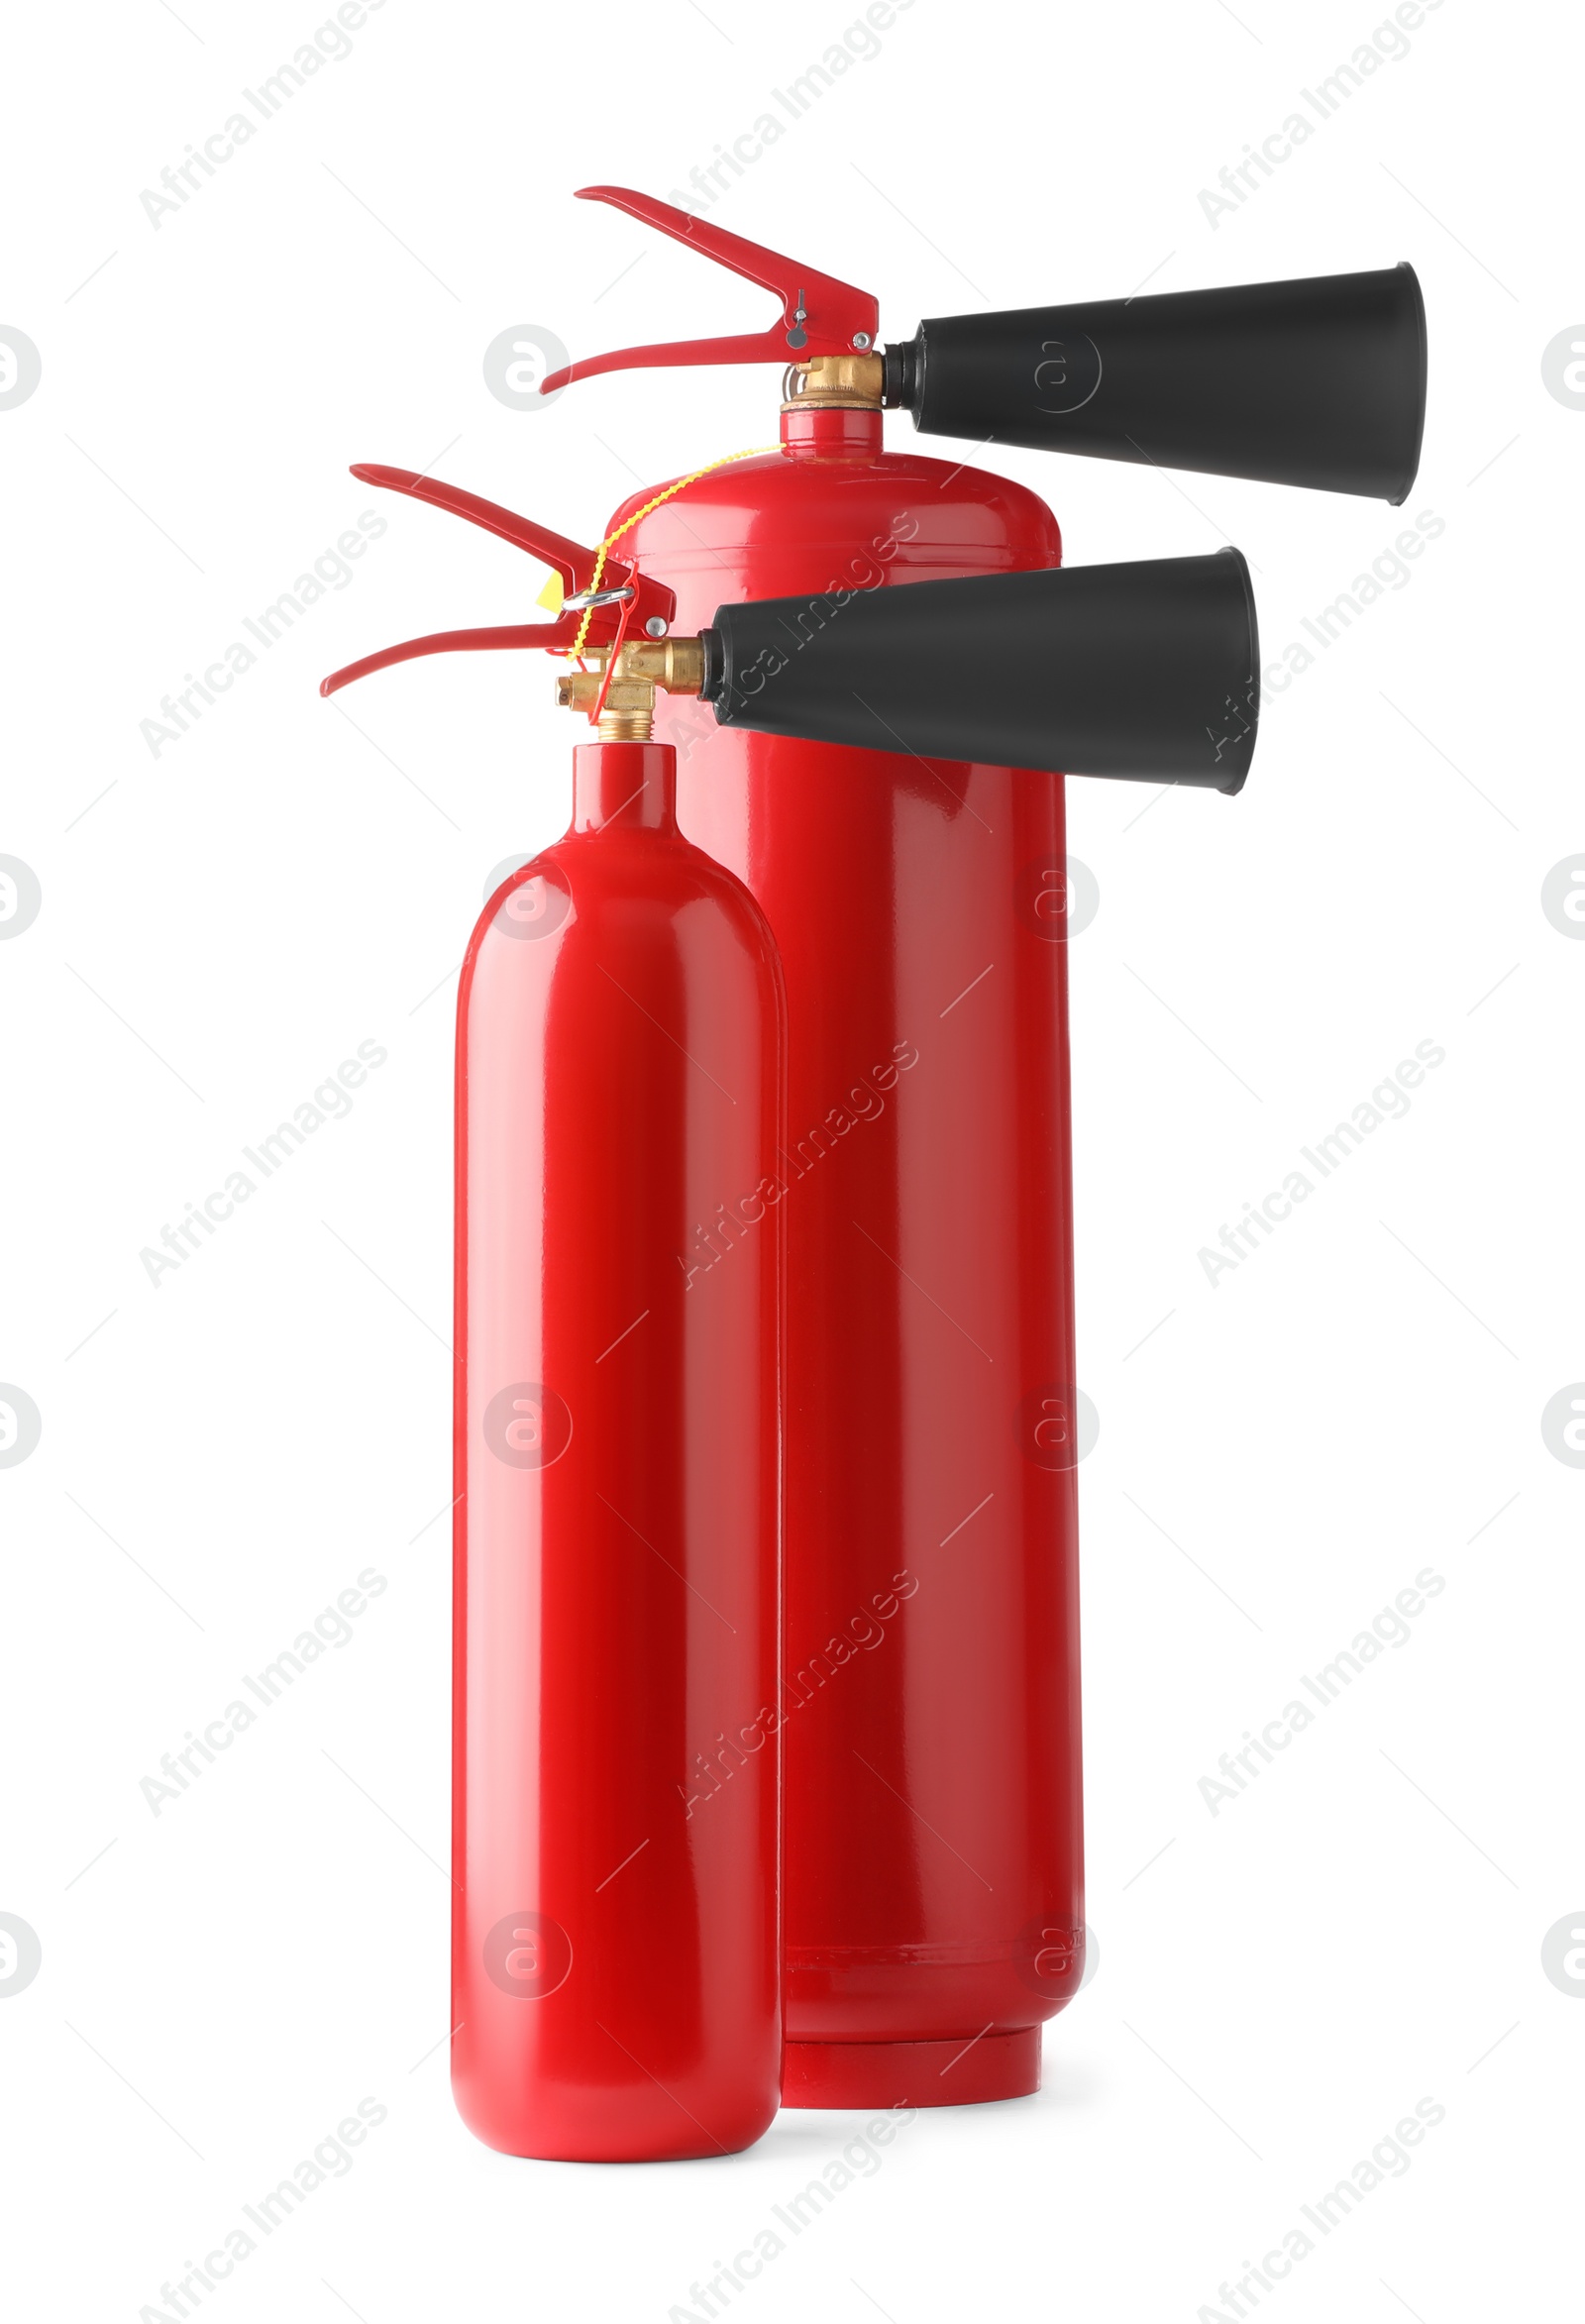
[575,650]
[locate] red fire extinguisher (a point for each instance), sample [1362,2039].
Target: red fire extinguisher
[933,1887]
[616,1989]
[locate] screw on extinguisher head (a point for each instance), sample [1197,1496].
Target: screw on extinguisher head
[1319,382]
[1146,671]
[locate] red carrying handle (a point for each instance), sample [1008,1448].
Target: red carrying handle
[819,314]
[575,565]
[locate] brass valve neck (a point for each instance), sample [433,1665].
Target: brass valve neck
[637,726]
[835,382]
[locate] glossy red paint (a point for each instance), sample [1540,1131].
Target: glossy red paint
[619,1067]
[932,1897]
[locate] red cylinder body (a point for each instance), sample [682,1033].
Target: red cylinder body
[933,1895]
[619,1063]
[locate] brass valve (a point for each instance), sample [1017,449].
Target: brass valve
[835,382]
[677,664]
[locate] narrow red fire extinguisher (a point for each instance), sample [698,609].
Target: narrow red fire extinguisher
[616,1979]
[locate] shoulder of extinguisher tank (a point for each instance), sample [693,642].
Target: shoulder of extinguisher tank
[832,488]
[615,862]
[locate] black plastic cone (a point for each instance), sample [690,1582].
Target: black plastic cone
[1319,382]
[1144,671]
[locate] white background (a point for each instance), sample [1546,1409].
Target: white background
[1278,1983]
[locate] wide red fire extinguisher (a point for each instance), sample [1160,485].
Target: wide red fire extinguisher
[871,667]
[933,1892]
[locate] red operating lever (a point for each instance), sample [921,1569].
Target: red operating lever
[819,314]
[632,594]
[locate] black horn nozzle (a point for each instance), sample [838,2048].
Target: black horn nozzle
[1143,670]
[1319,382]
